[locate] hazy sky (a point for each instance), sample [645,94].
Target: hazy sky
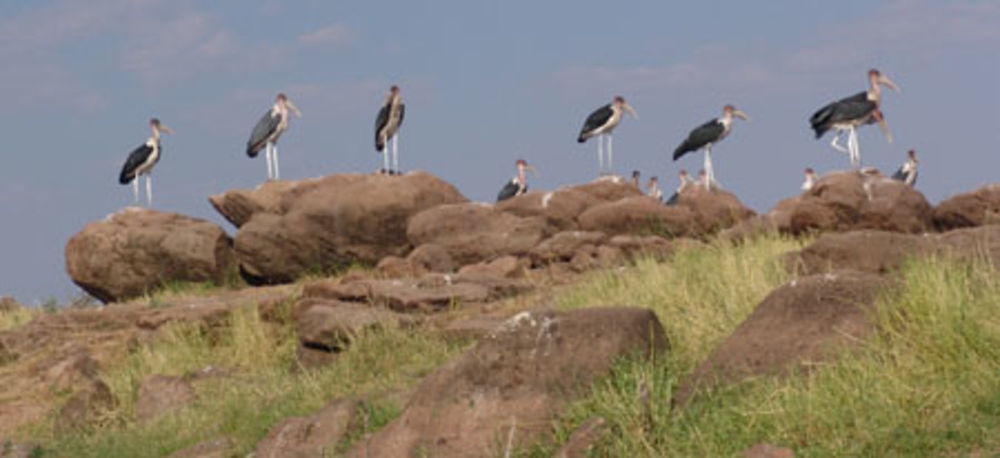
[484,82]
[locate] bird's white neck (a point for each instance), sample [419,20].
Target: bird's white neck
[874,91]
[279,108]
[809,183]
[910,165]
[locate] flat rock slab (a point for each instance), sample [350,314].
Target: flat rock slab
[332,325]
[161,394]
[975,208]
[516,378]
[313,436]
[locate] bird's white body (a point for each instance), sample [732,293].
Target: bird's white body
[279,110]
[147,167]
[810,182]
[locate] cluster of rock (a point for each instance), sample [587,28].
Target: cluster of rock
[408,225]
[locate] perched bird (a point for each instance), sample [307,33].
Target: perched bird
[705,135]
[141,161]
[810,179]
[907,173]
[517,185]
[387,123]
[601,123]
[635,178]
[685,181]
[653,189]
[267,131]
[851,112]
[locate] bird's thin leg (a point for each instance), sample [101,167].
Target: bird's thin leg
[600,155]
[833,143]
[395,154]
[855,151]
[611,155]
[709,174]
[274,154]
[135,188]
[267,156]
[149,189]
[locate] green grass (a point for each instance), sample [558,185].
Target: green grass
[262,385]
[18,317]
[928,383]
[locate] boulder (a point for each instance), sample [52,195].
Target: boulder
[514,380]
[8,304]
[136,250]
[397,267]
[503,267]
[713,209]
[817,315]
[558,208]
[313,436]
[564,245]
[431,257]
[634,246]
[332,325]
[239,205]
[976,208]
[473,232]
[637,215]
[431,293]
[337,221]
[161,394]
[843,201]
[864,251]
[608,189]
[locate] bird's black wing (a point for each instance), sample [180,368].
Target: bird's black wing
[380,122]
[850,108]
[264,128]
[402,111]
[699,137]
[596,119]
[673,199]
[136,158]
[508,191]
[900,174]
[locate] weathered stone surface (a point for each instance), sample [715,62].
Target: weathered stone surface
[333,325]
[85,407]
[713,209]
[336,221]
[816,316]
[137,250]
[473,232]
[843,201]
[430,257]
[637,215]
[558,208]
[564,245]
[8,304]
[313,436]
[768,451]
[514,379]
[239,205]
[161,394]
[975,208]
[502,267]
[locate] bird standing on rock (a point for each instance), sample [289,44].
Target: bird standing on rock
[267,131]
[387,123]
[141,161]
[851,112]
[907,173]
[601,123]
[702,137]
[517,185]
[810,179]
[685,181]
[653,189]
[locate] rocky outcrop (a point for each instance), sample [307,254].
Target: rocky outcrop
[816,316]
[239,205]
[976,208]
[331,325]
[514,379]
[137,250]
[313,436]
[473,232]
[843,201]
[637,215]
[713,210]
[336,221]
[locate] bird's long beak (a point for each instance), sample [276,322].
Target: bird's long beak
[166,130]
[885,81]
[295,109]
[630,110]
[740,114]
[884,127]
[531,168]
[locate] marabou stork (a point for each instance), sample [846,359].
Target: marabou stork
[387,123]
[810,179]
[849,113]
[635,178]
[907,173]
[685,181]
[653,189]
[267,131]
[705,135]
[517,185]
[141,161]
[601,123]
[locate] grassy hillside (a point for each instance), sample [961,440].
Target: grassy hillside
[927,384]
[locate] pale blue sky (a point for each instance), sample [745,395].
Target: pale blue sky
[484,83]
